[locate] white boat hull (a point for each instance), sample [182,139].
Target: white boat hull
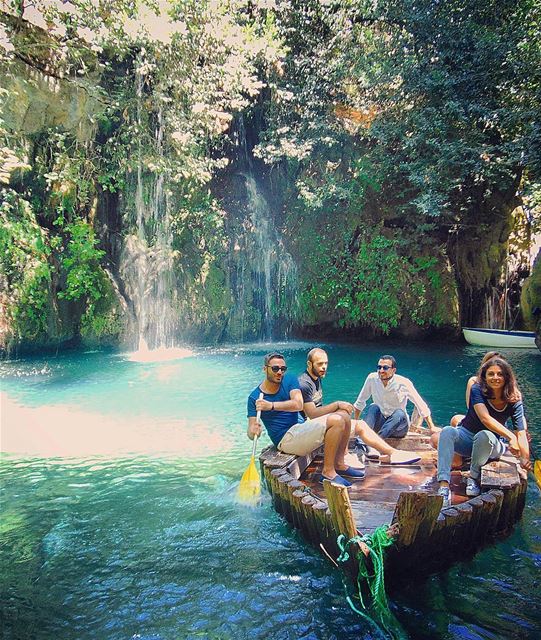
[500,338]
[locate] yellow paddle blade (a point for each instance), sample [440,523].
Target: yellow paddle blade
[250,484]
[537,472]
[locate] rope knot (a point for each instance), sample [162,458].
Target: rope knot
[372,577]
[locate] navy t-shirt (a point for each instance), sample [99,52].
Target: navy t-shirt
[277,423]
[311,390]
[513,410]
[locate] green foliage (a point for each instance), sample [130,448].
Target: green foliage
[443,96]
[38,264]
[103,319]
[378,287]
[198,237]
[377,281]
[80,263]
[24,268]
[69,176]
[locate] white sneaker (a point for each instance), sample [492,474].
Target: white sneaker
[352,460]
[472,488]
[445,492]
[401,457]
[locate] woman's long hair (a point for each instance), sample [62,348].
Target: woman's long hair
[511,392]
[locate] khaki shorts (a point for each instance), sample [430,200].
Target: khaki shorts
[305,437]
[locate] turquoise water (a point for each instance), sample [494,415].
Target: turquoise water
[120,519]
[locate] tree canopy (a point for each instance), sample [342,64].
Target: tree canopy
[400,136]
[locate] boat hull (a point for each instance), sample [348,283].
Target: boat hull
[500,338]
[404,500]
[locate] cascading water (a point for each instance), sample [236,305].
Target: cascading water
[274,271]
[146,263]
[260,275]
[265,288]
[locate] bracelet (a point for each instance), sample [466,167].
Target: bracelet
[272,408]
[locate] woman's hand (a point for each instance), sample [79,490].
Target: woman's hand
[513,445]
[526,463]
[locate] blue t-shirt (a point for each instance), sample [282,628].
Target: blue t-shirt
[277,422]
[513,410]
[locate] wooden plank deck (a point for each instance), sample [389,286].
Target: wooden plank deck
[383,484]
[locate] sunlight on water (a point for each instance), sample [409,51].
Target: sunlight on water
[263,347]
[59,431]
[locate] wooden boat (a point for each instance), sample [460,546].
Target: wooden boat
[500,338]
[402,498]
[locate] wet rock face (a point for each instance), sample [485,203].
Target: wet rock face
[39,94]
[36,102]
[488,254]
[530,299]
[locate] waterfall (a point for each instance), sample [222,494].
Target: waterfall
[260,275]
[146,262]
[265,288]
[492,317]
[264,255]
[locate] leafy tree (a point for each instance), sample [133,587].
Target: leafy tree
[440,99]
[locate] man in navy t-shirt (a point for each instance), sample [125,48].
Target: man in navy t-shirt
[280,405]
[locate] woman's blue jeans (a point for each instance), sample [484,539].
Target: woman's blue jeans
[482,446]
[395,426]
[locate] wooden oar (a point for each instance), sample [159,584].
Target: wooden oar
[537,472]
[250,483]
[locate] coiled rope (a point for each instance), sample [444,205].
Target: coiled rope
[372,577]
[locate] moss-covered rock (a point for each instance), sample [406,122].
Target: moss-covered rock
[39,94]
[530,299]
[105,320]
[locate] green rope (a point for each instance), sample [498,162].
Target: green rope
[373,577]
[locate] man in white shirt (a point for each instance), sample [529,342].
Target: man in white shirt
[390,393]
[310,382]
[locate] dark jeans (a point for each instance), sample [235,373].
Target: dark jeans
[395,426]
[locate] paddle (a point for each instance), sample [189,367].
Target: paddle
[537,472]
[250,484]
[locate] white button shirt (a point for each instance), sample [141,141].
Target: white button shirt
[392,397]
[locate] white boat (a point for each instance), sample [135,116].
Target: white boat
[500,338]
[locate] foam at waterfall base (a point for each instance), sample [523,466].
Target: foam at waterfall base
[161,354]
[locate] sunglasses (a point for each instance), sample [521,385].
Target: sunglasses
[385,367]
[275,368]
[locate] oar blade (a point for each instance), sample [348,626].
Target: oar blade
[250,484]
[537,472]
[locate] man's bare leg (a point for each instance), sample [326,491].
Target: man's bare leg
[333,450]
[340,462]
[372,439]
[350,459]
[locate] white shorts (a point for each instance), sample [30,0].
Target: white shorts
[303,438]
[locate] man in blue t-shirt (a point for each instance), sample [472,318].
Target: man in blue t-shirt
[279,399]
